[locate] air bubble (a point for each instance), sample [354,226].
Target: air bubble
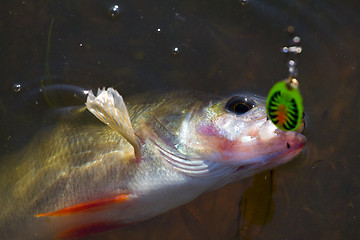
[296,39]
[16,88]
[244,2]
[291,63]
[114,11]
[290,29]
[292,68]
[293,49]
[175,51]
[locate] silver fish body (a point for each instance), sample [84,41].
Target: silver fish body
[190,143]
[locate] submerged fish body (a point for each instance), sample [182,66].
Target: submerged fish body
[83,176]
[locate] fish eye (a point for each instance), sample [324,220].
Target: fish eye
[239,105]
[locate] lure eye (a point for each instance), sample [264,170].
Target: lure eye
[239,105]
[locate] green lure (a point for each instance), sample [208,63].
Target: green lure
[284,105]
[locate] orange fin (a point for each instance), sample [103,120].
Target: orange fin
[87,206]
[89,229]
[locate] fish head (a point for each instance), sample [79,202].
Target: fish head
[235,133]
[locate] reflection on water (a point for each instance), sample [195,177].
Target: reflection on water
[216,46]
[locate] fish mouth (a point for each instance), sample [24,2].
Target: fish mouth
[289,145]
[271,147]
[295,142]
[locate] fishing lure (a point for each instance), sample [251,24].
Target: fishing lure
[284,105]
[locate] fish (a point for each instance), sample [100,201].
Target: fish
[109,164]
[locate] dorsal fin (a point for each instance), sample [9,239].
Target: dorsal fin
[109,107]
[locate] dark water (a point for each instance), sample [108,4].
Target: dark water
[222,47]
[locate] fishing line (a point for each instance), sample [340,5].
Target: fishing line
[47,66]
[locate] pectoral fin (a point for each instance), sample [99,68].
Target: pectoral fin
[109,107]
[87,206]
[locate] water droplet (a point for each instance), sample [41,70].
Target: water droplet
[179,17]
[292,68]
[296,39]
[114,11]
[16,87]
[290,29]
[244,2]
[293,49]
[175,51]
